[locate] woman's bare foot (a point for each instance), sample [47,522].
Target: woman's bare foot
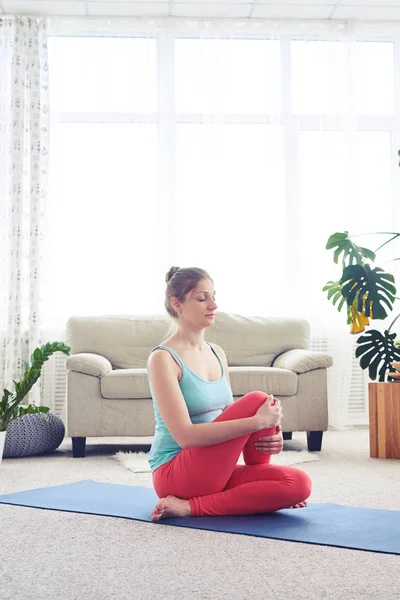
[299,505]
[171,506]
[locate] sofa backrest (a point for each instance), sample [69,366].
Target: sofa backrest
[127,340]
[256,341]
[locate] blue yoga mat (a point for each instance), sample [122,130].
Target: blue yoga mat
[325,524]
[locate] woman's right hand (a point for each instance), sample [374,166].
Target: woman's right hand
[270,413]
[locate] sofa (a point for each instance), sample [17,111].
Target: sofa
[107,386]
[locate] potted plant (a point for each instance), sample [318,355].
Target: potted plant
[369,293]
[10,408]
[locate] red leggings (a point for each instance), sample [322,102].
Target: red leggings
[210,478]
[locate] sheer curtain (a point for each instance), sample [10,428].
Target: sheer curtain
[24,130]
[237,146]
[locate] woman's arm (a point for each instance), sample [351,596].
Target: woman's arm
[173,410]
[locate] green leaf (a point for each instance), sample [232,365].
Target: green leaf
[334,288]
[33,410]
[5,399]
[377,351]
[343,300]
[372,287]
[37,355]
[354,253]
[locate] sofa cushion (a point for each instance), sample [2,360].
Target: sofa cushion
[133,383]
[126,341]
[280,382]
[125,383]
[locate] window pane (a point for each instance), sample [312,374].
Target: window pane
[227,76]
[101,223]
[375,78]
[230,210]
[319,77]
[326,79]
[346,181]
[103,74]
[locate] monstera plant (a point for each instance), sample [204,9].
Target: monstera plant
[369,293]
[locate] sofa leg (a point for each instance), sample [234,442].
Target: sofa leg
[78,447]
[287,435]
[314,440]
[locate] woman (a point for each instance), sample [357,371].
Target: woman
[200,431]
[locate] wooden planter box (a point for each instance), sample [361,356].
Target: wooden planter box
[384,420]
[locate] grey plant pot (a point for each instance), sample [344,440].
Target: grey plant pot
[30,435]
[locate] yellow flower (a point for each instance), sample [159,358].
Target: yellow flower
[358,319]
[358,322]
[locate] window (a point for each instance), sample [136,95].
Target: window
[340,78]
[102,223]
[344,178]
[227,76]
[103,75]
[230,195]
[240,156]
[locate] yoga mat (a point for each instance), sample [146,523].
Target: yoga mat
[324,524]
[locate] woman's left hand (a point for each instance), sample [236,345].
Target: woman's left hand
[271,444]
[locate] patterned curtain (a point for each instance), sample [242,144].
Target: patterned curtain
[24,132]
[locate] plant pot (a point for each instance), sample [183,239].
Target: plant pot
[384,420]
[2,441]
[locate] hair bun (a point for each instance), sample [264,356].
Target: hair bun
[171,272]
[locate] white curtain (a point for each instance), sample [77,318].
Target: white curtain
[24,132]
[236,146]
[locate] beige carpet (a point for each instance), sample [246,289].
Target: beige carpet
[52,554]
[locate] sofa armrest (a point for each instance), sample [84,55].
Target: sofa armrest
[301,361]
[89,364]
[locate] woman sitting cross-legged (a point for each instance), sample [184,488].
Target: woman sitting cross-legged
[200,432]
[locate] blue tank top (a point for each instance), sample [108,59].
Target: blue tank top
[205,401]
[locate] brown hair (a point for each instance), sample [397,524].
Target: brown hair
[179,283]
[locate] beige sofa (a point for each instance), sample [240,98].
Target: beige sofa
[107,386]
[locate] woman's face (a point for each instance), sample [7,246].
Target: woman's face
[200,305]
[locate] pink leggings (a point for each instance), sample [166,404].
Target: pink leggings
[210,478]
